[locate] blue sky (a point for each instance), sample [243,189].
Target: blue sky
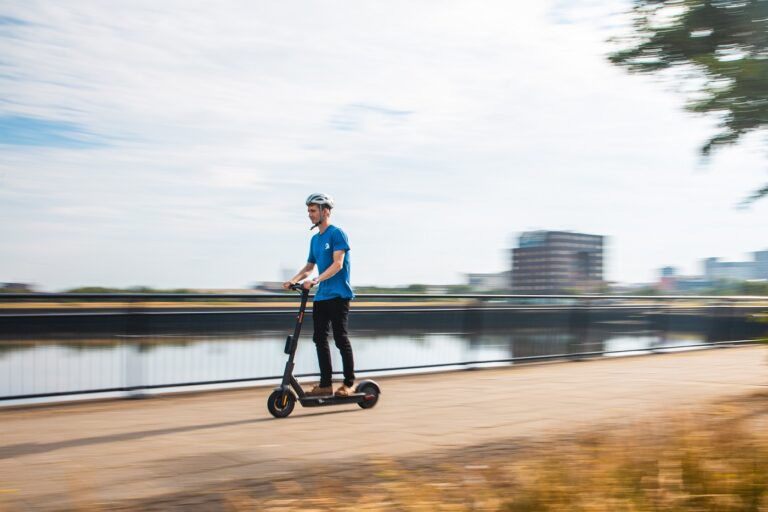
[172,144]
[29,131]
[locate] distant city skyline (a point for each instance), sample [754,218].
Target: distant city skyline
[715,267]
[172,145]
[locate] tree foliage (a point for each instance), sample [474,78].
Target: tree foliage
[721,48]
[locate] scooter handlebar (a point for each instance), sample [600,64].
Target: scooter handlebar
[297,287]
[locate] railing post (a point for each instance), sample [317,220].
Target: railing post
[661,324]
[470,327]
[721,327]
[134,367]
[730,315]
[579,326]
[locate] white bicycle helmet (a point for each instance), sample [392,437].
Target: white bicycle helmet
[321,199]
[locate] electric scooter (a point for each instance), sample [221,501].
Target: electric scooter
[283,399]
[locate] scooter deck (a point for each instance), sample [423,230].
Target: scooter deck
[317,401]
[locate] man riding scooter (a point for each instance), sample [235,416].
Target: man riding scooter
[329,250]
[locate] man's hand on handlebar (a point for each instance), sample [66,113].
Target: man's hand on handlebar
[306,285]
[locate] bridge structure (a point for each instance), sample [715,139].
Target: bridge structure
[62,346]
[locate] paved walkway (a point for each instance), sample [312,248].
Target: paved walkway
[62,456]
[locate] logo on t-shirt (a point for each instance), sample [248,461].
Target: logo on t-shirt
[327,246]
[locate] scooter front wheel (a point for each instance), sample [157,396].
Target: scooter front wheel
[281,404]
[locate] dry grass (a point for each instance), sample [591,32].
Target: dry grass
[668,466]
[713,460]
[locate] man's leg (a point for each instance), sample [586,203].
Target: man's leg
[321,320]
[339,316]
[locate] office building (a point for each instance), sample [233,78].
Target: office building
[557,262]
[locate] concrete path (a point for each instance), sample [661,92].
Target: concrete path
[59,457]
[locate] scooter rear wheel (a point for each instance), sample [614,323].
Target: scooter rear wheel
[371,395]
[281,404]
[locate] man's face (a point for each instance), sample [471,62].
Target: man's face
[314,213]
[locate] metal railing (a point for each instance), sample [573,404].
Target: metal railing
[61,345]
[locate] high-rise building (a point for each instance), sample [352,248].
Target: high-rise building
[761,264]
[556,262]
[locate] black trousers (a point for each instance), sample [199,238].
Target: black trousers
[326,315]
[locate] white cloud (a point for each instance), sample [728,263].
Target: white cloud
[236,178]
[442,128]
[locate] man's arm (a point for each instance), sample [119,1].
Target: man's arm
[332,270]
[301,275]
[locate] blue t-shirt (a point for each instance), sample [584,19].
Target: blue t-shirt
[321,249]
